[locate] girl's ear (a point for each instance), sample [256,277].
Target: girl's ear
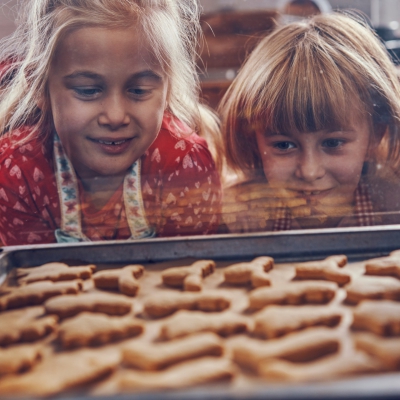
[379,130]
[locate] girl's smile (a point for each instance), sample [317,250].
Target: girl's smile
[107,97]
[323,167]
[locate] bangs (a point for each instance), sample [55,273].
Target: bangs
[310,91]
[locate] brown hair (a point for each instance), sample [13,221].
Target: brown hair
[309,76]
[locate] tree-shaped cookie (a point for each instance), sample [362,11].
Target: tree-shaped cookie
[254,272]
[188,277]
[122,279]
[329,269]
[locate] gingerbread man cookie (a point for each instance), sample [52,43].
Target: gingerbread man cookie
[122,279]
[187,322]
[254,272]
[54,272]
[189,278]
[89,329]
[318,292]
[330,269]
[155,356]
[378,316]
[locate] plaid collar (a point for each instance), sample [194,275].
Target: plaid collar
[363,211]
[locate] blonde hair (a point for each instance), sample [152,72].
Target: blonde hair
[309,76]
[172,27]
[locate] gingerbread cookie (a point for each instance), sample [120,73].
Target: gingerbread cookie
[372,288]
[37,293]
[123,279]
[329,269]
[189,373]
[25,325]
[378,316]
[386,266]
[187,322]
[19,358]
[275,321]
[322,369]
[106,303]
[88,329]
[62,371]
[164,304]
[317,292]
[155,356]
[254,272]
[190,277]
[303,346]
[386,350]
[54,272]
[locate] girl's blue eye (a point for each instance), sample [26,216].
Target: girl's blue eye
[333,143]
[139,92]
[284,145]
[87,92]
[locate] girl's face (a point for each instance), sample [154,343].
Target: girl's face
[107,97]
[323,167]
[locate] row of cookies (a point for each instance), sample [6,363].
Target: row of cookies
[222,321]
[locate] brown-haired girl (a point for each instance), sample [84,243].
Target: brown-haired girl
[312,123]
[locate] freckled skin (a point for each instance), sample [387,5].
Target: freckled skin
[105,85]
[325,167]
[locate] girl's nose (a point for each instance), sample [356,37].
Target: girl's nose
[310,167]
[114,113]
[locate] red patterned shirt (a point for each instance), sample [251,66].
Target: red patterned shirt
[180,189]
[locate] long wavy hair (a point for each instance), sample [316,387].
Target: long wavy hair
[172,27]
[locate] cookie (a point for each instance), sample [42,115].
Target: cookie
[378,316]
[317,292]
[187,322]
[25,325]
[275,321]
[372,288]
[196,372]
[327,368]
[18,358]
[155,356]
[329,269]
[190,277]
[67,370]
[386,266]
[106,303]
[88,329]
[254,272]
[164,304]
[123,279]
[303,346]
[386,350]
[54,272]
[37,293]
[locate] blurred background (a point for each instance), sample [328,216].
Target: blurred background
[233,27]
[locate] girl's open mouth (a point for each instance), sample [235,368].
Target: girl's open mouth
[112,146]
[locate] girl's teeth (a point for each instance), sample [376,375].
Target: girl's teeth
[111,143]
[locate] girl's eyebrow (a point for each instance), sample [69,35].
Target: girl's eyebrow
[92,75]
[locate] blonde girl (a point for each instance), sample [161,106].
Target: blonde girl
[99,113]
[312,124]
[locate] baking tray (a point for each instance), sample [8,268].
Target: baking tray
[356,243]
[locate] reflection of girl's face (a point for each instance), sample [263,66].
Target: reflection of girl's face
[323,167]
[107,98]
